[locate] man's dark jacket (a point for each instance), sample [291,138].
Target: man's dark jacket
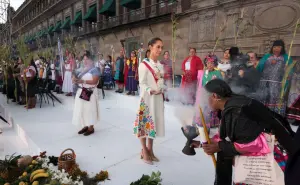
[243,120]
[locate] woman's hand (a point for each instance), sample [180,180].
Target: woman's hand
[153,92]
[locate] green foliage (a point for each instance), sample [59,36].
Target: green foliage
[9,162]
[69,44]
[23,50]
[154,179]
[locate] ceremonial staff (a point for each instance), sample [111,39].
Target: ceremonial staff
[204,132]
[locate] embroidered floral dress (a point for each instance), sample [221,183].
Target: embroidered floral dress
[149,121]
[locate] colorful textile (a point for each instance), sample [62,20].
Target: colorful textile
[191,73]
[167,69]
[107,76]
[279,156]
[190,68]
[293,109]
[131,74]
[269,91]
[144,125]
[119,76]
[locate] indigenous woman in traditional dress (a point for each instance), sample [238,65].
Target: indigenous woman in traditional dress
[190,67]
[272,67]
[131,74]
[168,76]
[86,107]
[119,75]
[293,108]
[149,123]
[224,64]
[69,67]
[204,76]
[31,80]
[107,73]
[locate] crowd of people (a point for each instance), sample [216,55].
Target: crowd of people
[239,93]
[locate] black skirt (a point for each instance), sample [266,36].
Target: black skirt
[31,88]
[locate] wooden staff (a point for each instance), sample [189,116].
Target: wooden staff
[288,68]
[207,135]
[112,57]
[174,36]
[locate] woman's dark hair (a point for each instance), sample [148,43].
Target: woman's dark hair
[220,87]
[109,57]
[226,50]
[166,52]
[279,43]
[234,52]
[148,51]
[153,41]
[193,49]
[87,54]
[134,53]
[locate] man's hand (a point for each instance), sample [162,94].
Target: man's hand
[211,148]
[195,144]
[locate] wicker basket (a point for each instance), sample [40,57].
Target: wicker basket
[67,161]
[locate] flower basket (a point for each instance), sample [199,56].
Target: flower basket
[67,160]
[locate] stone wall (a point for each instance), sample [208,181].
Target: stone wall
[134,37]
[252,25]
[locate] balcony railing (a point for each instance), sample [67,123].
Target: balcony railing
[152,11]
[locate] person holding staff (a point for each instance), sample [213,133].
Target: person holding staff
[243,122]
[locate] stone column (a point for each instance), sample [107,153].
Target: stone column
[84,23]
[104,18]
[54,24]
[97,11]
[153,8]
[72,16]
[117,8]
[178,6]
[143,9]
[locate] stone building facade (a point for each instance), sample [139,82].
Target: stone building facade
[97,25]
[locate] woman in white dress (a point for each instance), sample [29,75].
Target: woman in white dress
[149,122]
[86,107]
[69,67]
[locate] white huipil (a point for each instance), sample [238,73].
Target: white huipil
[86,113]
[67,84]
[149,122]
